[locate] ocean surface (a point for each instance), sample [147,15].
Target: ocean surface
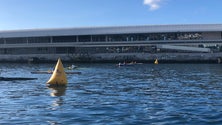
[163,94]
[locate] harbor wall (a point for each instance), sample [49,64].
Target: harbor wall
[117,57]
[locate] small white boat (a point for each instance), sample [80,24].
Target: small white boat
[71,67]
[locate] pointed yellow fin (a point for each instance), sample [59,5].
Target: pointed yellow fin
[156,62]
[58,76]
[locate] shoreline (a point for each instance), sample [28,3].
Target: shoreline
[115,58]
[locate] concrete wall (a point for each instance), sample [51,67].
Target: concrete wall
[115,57]
[211,35]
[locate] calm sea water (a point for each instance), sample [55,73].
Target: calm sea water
[164,94]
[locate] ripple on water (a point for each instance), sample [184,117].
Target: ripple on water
[106,94]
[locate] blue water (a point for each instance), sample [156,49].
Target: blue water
[164,94]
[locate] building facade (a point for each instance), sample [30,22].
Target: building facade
[167,43]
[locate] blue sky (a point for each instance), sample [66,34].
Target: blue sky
[32,14]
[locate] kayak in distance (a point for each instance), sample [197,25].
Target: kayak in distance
[128,64]
[50,72]
[70,68]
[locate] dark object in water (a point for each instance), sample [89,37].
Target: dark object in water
[50,72]
[15,78]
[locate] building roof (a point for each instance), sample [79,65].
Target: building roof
[113,30]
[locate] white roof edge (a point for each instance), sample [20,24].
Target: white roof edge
[94,27]
[112,30]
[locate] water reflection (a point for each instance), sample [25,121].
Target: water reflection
[56,103]
[57,91]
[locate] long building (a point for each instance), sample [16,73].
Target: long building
[167,43]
